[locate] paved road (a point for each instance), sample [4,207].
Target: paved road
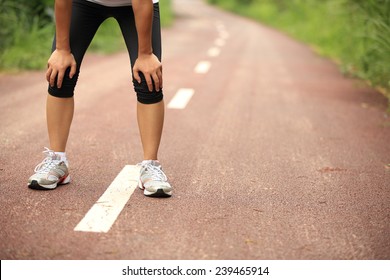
[275,156]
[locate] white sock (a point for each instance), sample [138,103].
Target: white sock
[63,157]
[154,162]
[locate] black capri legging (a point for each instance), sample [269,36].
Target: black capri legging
[86,19]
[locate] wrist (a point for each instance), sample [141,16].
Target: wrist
[62,45]
[60,49]
[145,52]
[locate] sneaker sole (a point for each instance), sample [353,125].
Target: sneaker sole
[158,193]
[35,186]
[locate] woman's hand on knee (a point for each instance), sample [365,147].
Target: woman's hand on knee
[59,61]
[151,67]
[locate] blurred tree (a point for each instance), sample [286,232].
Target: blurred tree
[19,16]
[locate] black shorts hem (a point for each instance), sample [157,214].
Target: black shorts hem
[158,98]
[54,91]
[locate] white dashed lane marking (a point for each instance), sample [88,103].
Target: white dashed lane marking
[181,98]
[219,25]
[219,42]
[213,52]
[202,67]
[106,210]
[224,34]
[184,95]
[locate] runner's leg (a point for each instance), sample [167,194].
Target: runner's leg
[150,105]
[86,19]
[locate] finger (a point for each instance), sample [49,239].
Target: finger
[72,70]
[149,82]
[156,81]
[160,78]
[53,76]
[60,78]
[136,76]
[48,73]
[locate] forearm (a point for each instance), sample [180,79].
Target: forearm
[63,12]
[143,13]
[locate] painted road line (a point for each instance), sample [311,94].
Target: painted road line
[213,52]
[181,98]
[219,25]
[224,34]
[219,42]
[202,67]
[106,210]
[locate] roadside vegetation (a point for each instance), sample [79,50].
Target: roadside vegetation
[27,28]
[354,33]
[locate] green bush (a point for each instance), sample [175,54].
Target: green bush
[25,34]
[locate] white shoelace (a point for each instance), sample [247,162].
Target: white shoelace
[47,164]
[155,172]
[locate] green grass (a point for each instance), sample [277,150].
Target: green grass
[25,39]
[354,33]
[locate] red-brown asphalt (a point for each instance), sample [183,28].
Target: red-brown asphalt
[277,155]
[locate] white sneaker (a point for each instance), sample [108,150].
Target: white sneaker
[153,180]
[50,173]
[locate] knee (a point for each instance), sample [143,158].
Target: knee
[145,96]
[67,88]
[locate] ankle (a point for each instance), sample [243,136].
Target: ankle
[62,157]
